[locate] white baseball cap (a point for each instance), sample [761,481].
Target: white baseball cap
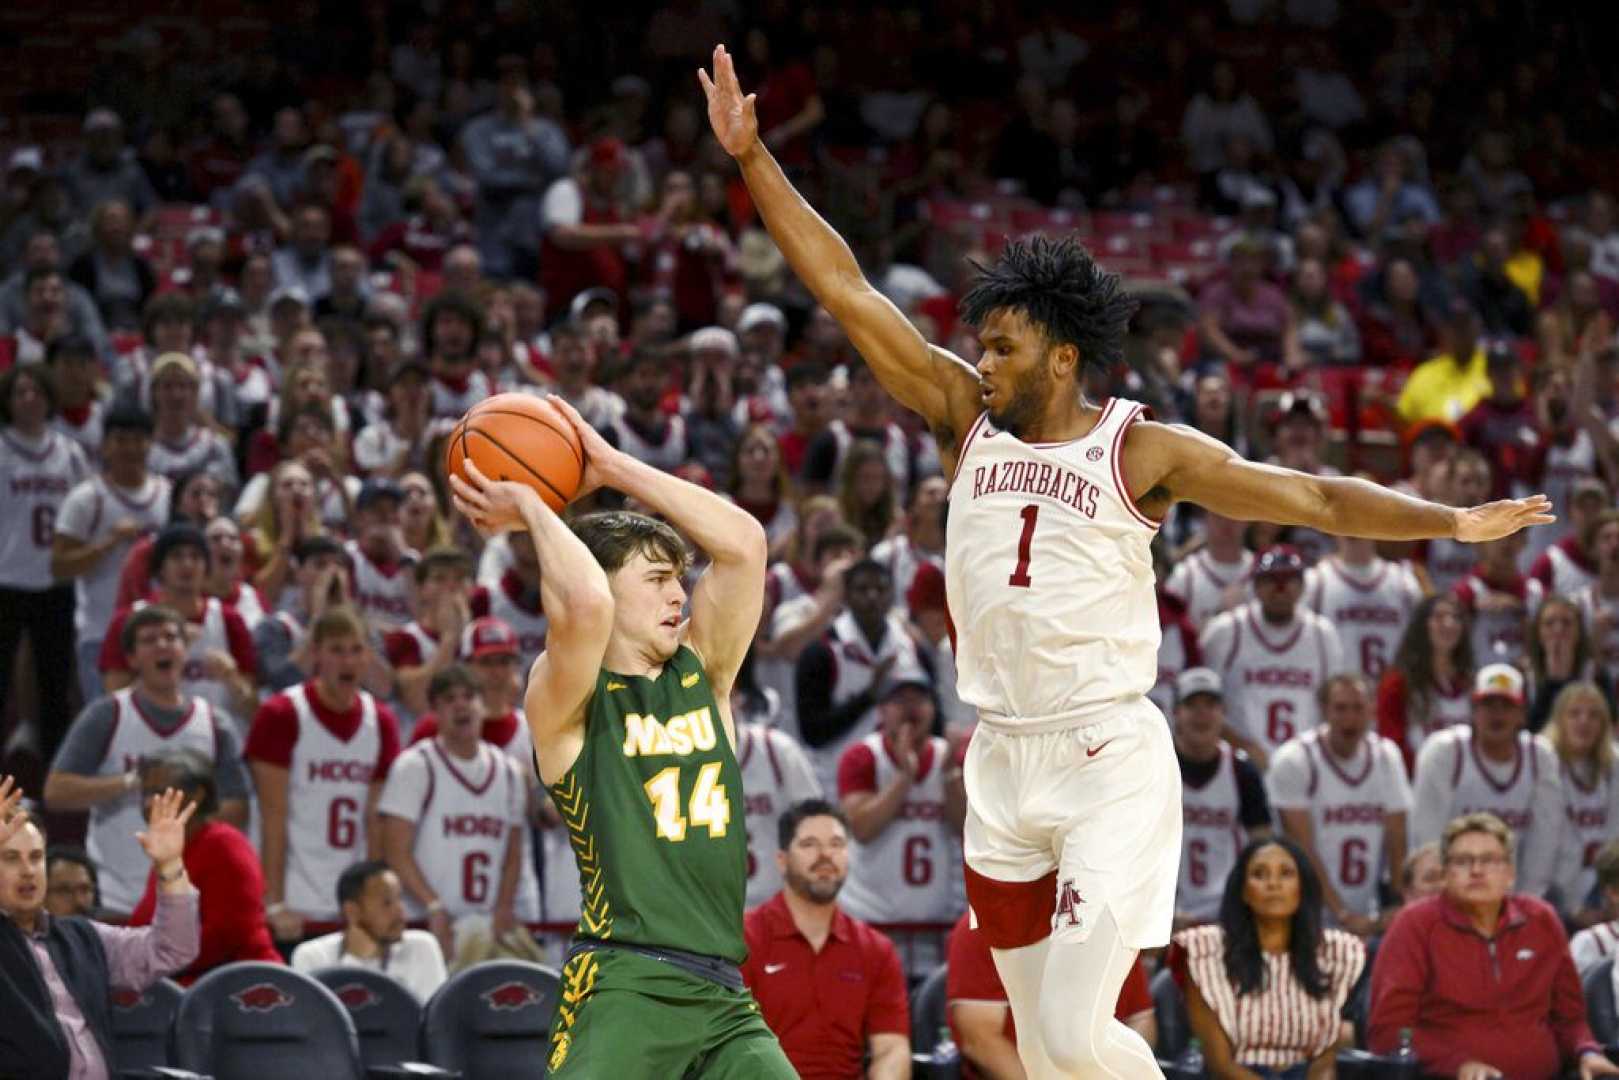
[1194,681]
[1498,680]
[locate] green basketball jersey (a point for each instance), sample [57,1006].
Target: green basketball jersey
[654,810]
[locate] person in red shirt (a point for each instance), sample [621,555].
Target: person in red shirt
[1480,975]
[981,1016]
[219,860]
[829,986]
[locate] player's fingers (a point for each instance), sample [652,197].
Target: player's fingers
[703,80]
[475,474]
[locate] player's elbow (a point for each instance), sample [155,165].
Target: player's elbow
[752,545]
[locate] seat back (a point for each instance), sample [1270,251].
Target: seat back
[257,1021]
[141,1022]
[387,1017]
[1169,1009]
[929,1010]
[493,1019]
[1599,1002]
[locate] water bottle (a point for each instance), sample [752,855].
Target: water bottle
[1190,1062]
[1405,1052]
[944,1050]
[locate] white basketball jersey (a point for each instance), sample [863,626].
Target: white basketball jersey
[896,452]
[34,480]
[1507,791]
[448,401]
[1593,814]
[383,597]
[249,604]
[1605,641]
[1201,582]
[1347,803]
[1448,561]
[1211,836]
[207,635]
[776,774]
[95,593]
[120,862]
[667,455]
[1271,674]
[1369,606]
[328,787]
[200,449]
[85,428]
[1447,707]
[854,664]
[1567,576]
[466,820]
[1499,636]
[1049,574]
[911,871]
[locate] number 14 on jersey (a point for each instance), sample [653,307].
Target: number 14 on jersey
[709,805]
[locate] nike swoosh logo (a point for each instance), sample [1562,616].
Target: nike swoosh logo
[690,680]
[771,969]
[1093,751]
[611,686]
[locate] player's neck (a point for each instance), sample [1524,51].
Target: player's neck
[338,697]
[625,658]
[1066,418]
[1344,748]
[164,697]
[460,747]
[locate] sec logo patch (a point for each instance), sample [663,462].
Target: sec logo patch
[1094,454]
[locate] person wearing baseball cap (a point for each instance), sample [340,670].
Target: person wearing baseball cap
[1220,788]
[1494,764]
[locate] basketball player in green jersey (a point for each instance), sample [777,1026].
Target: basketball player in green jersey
[633,736]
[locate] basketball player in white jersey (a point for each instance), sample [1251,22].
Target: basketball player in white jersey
[1495,765]
[99,523]
[1073,823]
[1273,655]
[1215,577]
[98,766]
[1223,803]
[452,815]
[776,774]
[378,557]
[220,664]
[514,599]
[38,467]
[1367,599]
[319,752]
[1341,794]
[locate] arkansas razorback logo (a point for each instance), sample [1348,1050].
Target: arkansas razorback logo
[262,998]
[356,996]
[126,1000]
[510,996]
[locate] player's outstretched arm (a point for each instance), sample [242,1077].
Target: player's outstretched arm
[1170,463]
[940,387]
[725,604]
[577,602]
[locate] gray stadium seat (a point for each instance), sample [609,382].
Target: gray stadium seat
[928,1010]
[141,1022]
[1599,1003]
[492,1020]
[387,1017]
[256,1021]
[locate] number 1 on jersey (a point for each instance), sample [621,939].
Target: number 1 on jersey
[1020,577]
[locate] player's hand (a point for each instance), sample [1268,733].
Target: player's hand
[600,457]
[164,838]
[1477,1070]
[11,814]
[1595,1064]
[830,589]
[493,506]
[285,925]
[729,112]
[1493,520]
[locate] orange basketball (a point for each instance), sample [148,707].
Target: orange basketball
[521,438]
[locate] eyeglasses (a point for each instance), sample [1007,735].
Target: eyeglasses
[1482,862]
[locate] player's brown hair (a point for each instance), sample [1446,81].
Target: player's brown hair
[1343,678]
[614,536]
[339,622]
[34,373]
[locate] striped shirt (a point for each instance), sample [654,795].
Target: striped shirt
[1280,1025]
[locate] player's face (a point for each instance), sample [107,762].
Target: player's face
[1583,723]
[184,569]
[380,910]
[497,672]
[1477,869]
[1015,379]
[1348,716]
[907,717]
[22,872]
[70,890]
[1496,719]
[648,602]
[1198,722]
[816,863]
[1278,595]
[159,656]
[1271,887]
[869,596]
[339,662]
[460,712]
[175,394]
[225,544]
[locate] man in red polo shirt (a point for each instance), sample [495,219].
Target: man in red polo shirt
[981,1016]
[829,986]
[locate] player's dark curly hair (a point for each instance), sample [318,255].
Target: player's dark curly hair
[1062,290]
[1244,961]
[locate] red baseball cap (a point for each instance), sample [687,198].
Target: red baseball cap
[488,636]
[1279,560]
[609,152]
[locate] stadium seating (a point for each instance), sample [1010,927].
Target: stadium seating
[492,1020]
[140,1025]
[929,1010]
[387,1017]
[1599,1003]
[1169,1009]
[255,1021]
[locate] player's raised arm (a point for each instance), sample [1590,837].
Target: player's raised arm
[576,600]
[725,604]
[940,387]
[1170,463]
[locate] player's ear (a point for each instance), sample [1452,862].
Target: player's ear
[1064,360]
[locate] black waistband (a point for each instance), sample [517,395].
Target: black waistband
[713,968]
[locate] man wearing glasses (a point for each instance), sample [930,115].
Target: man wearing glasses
[1480,975]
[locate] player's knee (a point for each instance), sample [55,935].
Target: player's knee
[1073,1046]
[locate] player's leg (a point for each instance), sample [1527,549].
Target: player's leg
[1078,996]
[622,1015]
[1022,972]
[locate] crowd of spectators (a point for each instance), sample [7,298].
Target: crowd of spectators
[245,297]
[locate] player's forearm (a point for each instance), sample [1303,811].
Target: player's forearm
[74,558]
[398,838]
[572,581]
[1349,506]
[817,254]
[724,531]
[890,1062]
[871,813]
[72,791]
[510,870]
[994,1057]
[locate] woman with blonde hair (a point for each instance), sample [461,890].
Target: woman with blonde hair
[1581,731]
[289,513]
